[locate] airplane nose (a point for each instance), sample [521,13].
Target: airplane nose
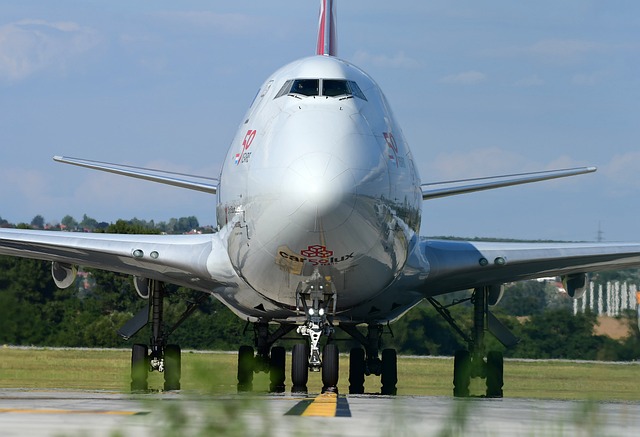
[318,192]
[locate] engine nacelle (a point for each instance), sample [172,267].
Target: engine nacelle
[495,294]
[142,287]
[576,284]
[63,274]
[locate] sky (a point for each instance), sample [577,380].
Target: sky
[479,88]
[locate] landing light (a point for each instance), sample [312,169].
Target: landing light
[311,312]
[321,312]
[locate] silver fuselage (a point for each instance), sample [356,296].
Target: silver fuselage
[319,185]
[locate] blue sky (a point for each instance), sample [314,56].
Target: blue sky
[480,88]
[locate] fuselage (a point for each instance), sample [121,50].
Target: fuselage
[319,185]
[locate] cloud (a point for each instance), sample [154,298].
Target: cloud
[466,78]
[399,60]
[31,46]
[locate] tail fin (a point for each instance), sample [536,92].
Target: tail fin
[327,34]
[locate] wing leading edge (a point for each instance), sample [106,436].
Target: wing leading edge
[193,182]
[194,261]
[460,265]
[480,184]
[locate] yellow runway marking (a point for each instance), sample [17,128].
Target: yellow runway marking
[324,405]
[51,411]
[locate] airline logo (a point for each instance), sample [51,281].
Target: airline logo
[245,154]
[317,251]
[393,149]
[316,255]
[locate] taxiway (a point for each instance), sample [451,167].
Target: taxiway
[96,413]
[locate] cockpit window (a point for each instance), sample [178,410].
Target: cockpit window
[333,88]
[355,90]
[306,87]
[330,88]
[286,88]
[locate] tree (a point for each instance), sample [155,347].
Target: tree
[69,223]
[88,223]
[38,222]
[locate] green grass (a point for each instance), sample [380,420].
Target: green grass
[216,373]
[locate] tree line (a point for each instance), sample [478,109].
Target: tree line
[33,311]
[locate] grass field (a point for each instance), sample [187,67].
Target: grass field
[215,373]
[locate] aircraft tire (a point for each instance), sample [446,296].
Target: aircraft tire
[276,369]
[461,374]
[330,367]
[389,377]
[299,368]
[172,367]
[495,374]
[245,369]
[139,367]
[356,371]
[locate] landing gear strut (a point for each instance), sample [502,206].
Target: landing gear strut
[471,363]
[315,299]
[162,357]
[159,355]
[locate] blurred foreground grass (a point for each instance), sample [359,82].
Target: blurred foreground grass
[215,373]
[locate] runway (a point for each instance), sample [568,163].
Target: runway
[74,413]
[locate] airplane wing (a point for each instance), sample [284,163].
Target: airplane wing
[181,180]
[195,261]
[460,265]
[464,186]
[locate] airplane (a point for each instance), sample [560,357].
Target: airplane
[318,214]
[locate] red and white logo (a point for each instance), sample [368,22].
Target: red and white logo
[245,154]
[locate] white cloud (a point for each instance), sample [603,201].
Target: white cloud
[398,60]
[465,78]
[30,46]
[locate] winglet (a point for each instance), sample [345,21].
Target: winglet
[327,33]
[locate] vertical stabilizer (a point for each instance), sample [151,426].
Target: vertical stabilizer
[327,34]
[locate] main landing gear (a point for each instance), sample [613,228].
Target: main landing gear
[159,355]
[268,358]
[367,361]
[471,363]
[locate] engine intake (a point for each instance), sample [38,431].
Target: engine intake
[576,284]
[63,274]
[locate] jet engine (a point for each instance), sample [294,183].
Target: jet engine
[142,287]
[575,284]
[496,292]
[63,274]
